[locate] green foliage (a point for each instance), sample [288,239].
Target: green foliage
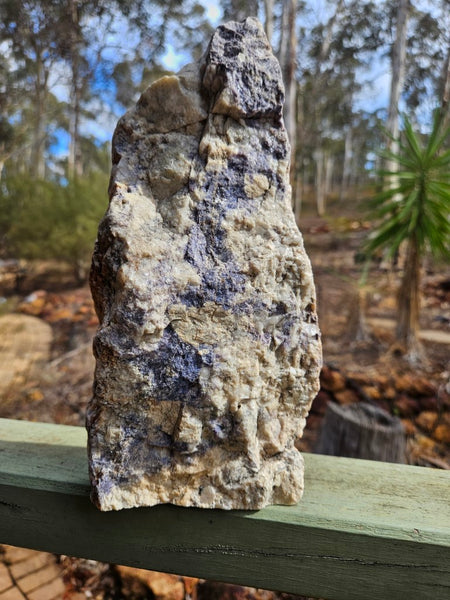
[418,208]
[45,220]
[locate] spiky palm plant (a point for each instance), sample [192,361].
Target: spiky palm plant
[415,214]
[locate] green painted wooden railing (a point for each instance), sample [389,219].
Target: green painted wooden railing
[363,530]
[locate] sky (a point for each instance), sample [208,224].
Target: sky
[173,61]
[213,12]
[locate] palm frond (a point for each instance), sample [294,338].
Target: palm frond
[413,144]
[417,207]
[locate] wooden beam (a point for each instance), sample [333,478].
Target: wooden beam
[363,529]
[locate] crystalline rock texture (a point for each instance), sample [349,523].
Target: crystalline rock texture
[208,351]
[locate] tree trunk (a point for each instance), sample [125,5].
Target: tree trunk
[397,81]
[298,197]
[408,304]
[300,171]
[445,100]
[346,169]
[329,166]
[353,178]
[288,49]
[362,430]
[357,329]
[37,157]
[74,166]
[268,19]
[316,85]
[283,41]
[320,187]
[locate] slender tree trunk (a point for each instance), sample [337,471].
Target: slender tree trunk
[346,169]
[354,175]
[74,161]
[397,81]
[316,85]
[287,56]
[329,167]
[75,167]
[268,19]
[288,51]
[445,100]
[298,197]
[320,187]
[37,166]
[357,329]
[299,155]
[283,42]
[408,303]
[305,177]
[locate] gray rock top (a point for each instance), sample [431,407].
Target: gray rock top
[208,351]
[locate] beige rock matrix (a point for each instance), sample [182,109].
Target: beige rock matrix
[208,351]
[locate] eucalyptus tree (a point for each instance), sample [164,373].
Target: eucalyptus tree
[420,75]
[398,69]
[337,50]
[427,62]
[287,55]
[28,32]
[10,132]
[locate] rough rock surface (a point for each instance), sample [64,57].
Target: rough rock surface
[208,352]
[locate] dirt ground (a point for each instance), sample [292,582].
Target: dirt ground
[46,330]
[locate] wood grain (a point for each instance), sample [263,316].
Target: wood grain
[363,529]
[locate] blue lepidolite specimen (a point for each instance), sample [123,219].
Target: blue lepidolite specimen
[208,351]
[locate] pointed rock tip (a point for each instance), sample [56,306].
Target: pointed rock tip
[242,75]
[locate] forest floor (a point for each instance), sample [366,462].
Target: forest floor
[46,372]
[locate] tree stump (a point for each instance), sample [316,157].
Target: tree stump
[362,430]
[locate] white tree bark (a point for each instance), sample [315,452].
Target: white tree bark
[445,100]
[75,166]
[329,167]
[268,19]
[323,56]
[37,167]
[287,58]
[320,182]
[397,82]
[346,169]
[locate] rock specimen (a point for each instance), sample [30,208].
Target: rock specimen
[208,351]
